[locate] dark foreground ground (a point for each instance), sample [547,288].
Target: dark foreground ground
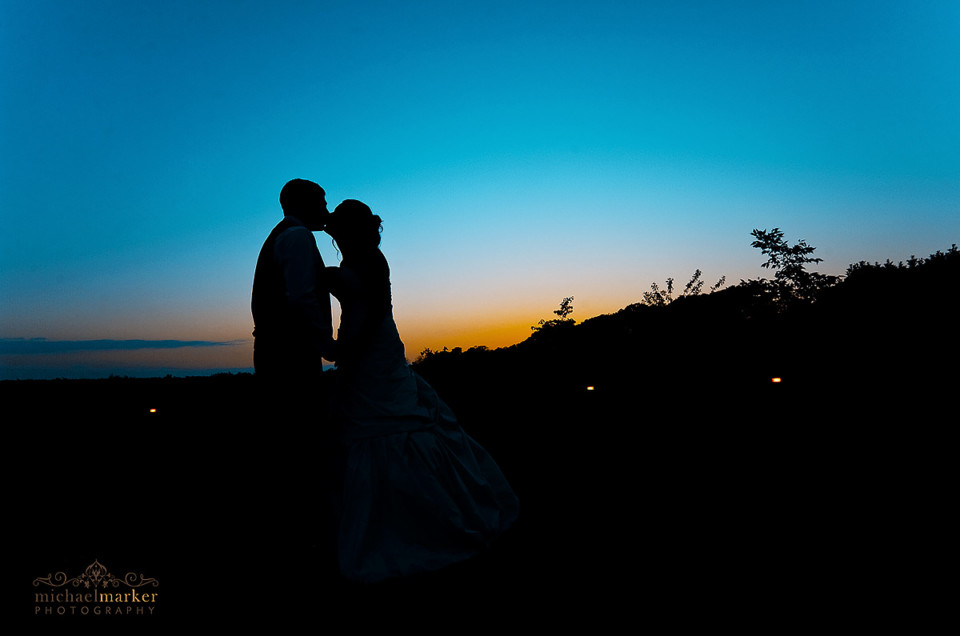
[757,506]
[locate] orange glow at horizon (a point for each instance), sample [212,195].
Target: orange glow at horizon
[418,336]
[501,324]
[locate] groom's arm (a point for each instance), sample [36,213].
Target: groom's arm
[302,268]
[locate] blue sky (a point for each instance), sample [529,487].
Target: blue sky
[518,152]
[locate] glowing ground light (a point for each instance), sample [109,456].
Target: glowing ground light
[590,388]
[776,380]
[153,410]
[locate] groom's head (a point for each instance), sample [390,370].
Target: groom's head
[305,200]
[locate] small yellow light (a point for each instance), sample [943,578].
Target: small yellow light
[776,380]
[153,410]
[590,388]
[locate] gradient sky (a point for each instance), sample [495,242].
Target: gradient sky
[518,152]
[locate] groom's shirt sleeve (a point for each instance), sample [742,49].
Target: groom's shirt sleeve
[302,266]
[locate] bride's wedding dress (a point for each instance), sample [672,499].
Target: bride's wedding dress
[416,493]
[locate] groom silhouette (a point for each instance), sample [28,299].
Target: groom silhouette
[290,303]
[292,334]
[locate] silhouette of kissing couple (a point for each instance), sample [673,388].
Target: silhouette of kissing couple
[408,490]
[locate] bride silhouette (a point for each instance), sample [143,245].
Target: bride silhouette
[415,492]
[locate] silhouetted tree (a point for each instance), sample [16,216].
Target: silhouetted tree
[792,282]
[566,308]
[657,297]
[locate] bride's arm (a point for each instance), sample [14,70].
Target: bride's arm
[346,287]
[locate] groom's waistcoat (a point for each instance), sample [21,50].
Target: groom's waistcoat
[276,324]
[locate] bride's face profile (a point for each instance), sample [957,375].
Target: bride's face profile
[337,226]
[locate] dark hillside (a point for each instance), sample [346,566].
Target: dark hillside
[881,326]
